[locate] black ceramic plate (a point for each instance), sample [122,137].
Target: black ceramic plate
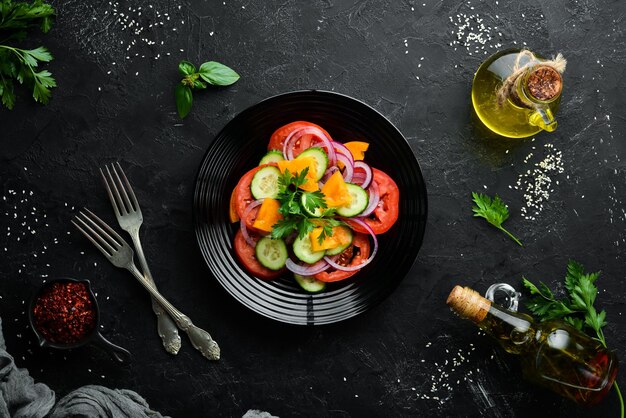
[240,146]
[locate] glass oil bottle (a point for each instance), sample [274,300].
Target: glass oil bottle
[553,354]
[515,93]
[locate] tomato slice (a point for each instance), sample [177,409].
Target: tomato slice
[277,139]
[243,197]
[245,254]
[354,255]
[232,210]
[386,213]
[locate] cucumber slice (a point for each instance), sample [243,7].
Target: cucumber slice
[272,156]
[271,253]
[265,183]
[360,200]
[310,283]
[321,158]
[318,212]
[302,250]
[339,250]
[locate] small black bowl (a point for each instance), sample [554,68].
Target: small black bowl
[94,337]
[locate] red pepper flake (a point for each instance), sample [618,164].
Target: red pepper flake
[64,313]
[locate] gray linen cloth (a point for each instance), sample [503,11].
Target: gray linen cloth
[21,397]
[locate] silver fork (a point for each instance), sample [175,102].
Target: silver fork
[120,254]
[129,217]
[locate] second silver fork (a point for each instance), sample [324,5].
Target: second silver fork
[130,218]
[120,254]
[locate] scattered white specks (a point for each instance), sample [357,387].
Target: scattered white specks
[536,182]
[115,36]
[472,33]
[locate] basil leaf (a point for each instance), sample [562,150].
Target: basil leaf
[197,84]
[186,68]
[184,99]
[217,74]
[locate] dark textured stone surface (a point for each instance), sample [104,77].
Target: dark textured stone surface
[103,112]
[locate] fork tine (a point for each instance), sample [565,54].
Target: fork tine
[108,231]
[129,187]
[108,253]
[111,198]
[118,197]
[98,232]
[124,194]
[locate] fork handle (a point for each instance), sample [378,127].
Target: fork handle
[200,339]
[165,325]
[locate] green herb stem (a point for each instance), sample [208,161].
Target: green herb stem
[19,53]
[510,235]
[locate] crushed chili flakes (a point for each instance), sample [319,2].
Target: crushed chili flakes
[64,312]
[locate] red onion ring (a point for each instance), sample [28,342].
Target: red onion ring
[342,149]
[374,199]
[242,223]
[360,165]
[348,170]
[310,270]
[366,262]
[309,130]
[328,173]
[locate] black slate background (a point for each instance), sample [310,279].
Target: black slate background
[382,362]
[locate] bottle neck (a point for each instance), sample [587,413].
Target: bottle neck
[537,87]
[513,330]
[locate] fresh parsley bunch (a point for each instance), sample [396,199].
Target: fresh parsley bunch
[292,199]
[210,72]
[22,64]
[577,308]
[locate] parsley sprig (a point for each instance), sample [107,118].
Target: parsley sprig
[577,308]
[22,64]
[294,204]
[493,210]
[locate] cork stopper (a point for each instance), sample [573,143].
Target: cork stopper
[544,83]
[468,303]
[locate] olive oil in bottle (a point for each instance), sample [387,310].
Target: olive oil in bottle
[515,94]
[553,354]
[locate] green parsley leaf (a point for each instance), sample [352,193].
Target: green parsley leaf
[493,210]
[8,96]
[314,200]
[577,308]
[284,227]
[305,226]
[16,18]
